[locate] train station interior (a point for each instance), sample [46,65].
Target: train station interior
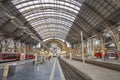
[59,39]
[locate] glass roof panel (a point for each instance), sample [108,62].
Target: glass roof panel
[52,30]
[53,27]
[50,21]
[45,15]
[48,38]
[59,36]
[50,18]
[49,14]
[54,36]
[48,10]
[45,3]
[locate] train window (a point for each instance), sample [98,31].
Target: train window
[5,56]
[13,56]
[111,54]
[10,56]
[16,56]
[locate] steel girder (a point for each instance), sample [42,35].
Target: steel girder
[9,20]
[106,23]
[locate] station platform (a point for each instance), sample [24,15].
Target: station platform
[94,72]
[50,70]
[106,63]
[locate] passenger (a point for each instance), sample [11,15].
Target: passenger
[49,57]
[43,59]
[70,56]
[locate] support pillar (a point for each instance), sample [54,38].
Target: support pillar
[82,47]
[102,45]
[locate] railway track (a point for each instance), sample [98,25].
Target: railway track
[71,73]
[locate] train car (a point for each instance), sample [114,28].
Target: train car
[9,56]
[112,54]
[29,56]
[98,54]
[109,54]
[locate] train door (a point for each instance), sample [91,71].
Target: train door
[111,54]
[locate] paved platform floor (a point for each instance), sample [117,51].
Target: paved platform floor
[50,70]
[2,65]
[94,72]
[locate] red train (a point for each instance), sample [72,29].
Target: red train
[109,54]
[13,56]
[29,56]
[9,56]
[98,54]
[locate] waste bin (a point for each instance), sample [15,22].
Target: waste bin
[12,69]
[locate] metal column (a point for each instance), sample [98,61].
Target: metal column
[82,47]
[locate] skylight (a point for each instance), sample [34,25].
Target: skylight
[50,18]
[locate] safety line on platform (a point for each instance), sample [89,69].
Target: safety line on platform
[53,71]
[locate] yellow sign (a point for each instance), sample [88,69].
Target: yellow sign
[6,69]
